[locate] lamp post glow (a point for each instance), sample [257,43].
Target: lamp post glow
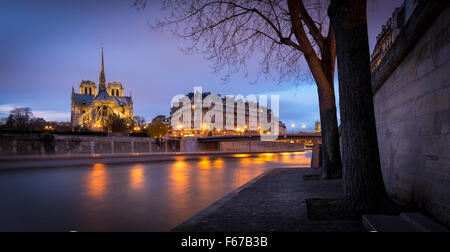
[49,128]
[98,125]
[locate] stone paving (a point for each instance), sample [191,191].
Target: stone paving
[274,202]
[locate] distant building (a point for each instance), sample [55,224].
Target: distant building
[161,118]
[93,108]
[390,31]
[282,128]
[181,129]
[317,128]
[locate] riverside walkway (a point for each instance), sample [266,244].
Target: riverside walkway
[272,202]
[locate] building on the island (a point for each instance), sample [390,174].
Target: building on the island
[282,128]
[181,129]
[161,118]
[95,108]
[317,128]
[390,31]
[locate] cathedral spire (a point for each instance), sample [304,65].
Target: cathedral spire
[102,80]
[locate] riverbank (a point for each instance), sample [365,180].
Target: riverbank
[39,161]
[273,202]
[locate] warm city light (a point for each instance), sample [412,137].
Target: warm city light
[196,140]
[49,128]
[98,125]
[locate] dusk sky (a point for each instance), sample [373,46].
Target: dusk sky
[48,47]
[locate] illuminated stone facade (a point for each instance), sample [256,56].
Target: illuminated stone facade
[180,129]
[390,32]
[95,108]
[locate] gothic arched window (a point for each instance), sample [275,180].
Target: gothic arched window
[117,92]
[90,91]
[85,90]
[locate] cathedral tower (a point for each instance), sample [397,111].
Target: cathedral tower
[96,109]
[102,79]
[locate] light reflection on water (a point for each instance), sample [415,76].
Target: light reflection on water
[153,196]
[97,180]
[137,177]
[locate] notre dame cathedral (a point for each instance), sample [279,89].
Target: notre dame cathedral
[94,108]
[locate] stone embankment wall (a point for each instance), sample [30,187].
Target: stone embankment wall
[413,122]
[37,144]
[193,145]
[258,146]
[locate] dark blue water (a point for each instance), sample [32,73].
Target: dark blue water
[154,196]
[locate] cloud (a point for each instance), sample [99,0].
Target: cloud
[4,109]
[48,115]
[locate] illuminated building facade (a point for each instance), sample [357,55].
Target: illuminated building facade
[390,31]
[95,108]
[181,130]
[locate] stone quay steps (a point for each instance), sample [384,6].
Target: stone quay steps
[406,222]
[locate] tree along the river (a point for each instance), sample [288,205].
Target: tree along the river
[157,129]
[282,32]
[364,188]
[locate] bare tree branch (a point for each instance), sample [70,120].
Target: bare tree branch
[232,32]
[311,24]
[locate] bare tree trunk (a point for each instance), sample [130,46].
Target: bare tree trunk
[331,156]
[363,181]
[332,164]
[323,73]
